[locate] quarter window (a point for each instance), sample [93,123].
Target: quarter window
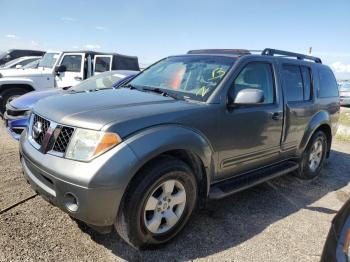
[256,75]
[328,84]
[72,63]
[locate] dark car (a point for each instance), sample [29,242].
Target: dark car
[17,53]
[18,110]
[337,246]
[188,128]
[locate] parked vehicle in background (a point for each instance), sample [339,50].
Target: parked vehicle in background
[190,127]
[60,69]
[337,245]
[20,62]
[344,93]
[18,110]
[12,54]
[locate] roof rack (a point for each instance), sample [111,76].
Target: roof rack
[238,52]
[272,52]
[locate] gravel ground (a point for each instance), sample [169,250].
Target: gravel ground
[285,219]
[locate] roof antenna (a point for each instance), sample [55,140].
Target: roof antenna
[310,50]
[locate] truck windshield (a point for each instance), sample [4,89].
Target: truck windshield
[48,60]
[191,76]
[101,81]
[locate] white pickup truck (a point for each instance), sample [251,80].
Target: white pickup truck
[60,69]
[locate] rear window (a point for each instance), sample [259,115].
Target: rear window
[328,84]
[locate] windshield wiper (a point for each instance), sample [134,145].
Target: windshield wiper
[130,86]
[161,92]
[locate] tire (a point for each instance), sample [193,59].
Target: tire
[8,95]
[310,166]
[136,225]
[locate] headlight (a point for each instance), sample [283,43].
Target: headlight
[88,144]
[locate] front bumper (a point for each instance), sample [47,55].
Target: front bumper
[345,101]
[97,186]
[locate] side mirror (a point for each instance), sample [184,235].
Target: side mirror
[60,69]
[248,96]
[7,58]
[18,66]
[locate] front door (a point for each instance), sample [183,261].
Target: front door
[251,134]
[74,73]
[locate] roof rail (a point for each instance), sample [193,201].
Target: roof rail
[238,52]
[272,52]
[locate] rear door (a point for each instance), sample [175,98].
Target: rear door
[250,135]
[298,86]
[102,63]
[74,73]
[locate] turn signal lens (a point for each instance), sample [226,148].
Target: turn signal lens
[107,141]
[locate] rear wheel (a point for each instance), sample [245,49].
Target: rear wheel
[314,156]
[8,95]
[159,204]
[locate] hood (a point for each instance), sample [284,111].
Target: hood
[120,110]
[26,101]
[25,72]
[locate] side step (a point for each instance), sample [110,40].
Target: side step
[242,182]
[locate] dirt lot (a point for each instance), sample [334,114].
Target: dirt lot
[283,220]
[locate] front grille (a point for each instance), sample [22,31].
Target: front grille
[63,139]
[45,126]
[59,139]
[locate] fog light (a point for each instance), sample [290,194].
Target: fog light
[71,202]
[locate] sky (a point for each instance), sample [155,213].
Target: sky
[154,29]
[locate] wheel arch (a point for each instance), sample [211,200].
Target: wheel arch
[26,87]
[178,142]
[320,122]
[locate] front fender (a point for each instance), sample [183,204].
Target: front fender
[150,143]
[316,121]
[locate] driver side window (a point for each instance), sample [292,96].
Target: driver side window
[256,75]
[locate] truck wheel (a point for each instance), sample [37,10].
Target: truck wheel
[158,204]
[314,156]
[8,95]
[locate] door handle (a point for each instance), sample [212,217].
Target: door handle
[276,116]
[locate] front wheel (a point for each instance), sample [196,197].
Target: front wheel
[159,204]
[314,156]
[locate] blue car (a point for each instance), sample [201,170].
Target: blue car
[18,110]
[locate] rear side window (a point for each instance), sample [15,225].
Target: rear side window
[328,84]
[306,73]
[102,64]
[297,82]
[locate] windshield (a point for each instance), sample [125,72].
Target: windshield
[48,60]
[100,81]
[33,64]
[193,77]
[345,86]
